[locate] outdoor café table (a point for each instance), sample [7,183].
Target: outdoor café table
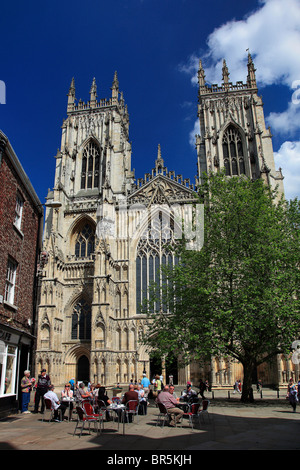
[119,409]
[184,405]
[67,401]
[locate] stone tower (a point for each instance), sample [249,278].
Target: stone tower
[105,237]
[233,134]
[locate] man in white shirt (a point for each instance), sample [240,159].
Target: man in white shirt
[56,405]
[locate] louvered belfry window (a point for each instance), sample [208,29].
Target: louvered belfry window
[233,154]
[90,168]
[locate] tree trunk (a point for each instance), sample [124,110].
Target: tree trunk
[247,390]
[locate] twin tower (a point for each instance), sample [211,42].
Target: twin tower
[89,321]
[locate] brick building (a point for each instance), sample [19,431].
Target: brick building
[21,217]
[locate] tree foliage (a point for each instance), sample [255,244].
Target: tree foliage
[239,295]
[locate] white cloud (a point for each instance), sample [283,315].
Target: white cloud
[288,157]
[194,131]
[272,34]
[286,123]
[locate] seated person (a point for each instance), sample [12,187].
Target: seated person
[103,397]
[189,394]
[56,404]
[67,396]
[130,395]
[172,391]
[82,393]
[142,400]
[170,403]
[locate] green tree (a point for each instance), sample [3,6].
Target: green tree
[239,295]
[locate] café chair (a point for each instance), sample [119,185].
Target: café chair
[132,409]
[204,411]
[48,409]
[193,413]
[91,413]
[163,415]
[83,418]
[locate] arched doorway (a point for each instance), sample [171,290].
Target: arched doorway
[155,366]
[172,368]
[83,369]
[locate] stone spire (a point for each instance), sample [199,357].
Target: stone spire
[115,86]
[225,75]
[93,93]
[71,96]
[251,78]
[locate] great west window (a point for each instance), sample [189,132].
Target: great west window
[155,249]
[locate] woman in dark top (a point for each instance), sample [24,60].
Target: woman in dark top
[104,398]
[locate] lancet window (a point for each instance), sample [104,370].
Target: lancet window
[154,250]
[81,321]
[90,169]
[233,155]
[85,242]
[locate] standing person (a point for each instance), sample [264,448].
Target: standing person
[72,383]
[292,394]
[55,403]
[158,384]
[145,382]
[202,388]
[26,387]
[42,386]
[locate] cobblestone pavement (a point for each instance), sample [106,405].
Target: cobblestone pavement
[267,424]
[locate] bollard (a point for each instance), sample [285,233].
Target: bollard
[228,395]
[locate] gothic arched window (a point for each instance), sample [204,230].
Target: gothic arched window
[81,321]
[85,242]
[154,250]
[234,161]
[90,168]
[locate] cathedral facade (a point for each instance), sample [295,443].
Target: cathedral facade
[107,233]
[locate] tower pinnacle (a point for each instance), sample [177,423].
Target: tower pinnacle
[115,86]
[251,78]
[93,93]
[71,95]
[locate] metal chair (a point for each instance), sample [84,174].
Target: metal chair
[192,413]
[163,414]
[90,412]
[48,408]
[132,408]
[83,418]
[204,410]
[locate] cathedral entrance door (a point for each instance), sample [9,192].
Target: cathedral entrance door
[83,369]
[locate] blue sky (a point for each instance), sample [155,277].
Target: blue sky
[155,46]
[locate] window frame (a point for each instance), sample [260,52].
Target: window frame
[10,281]
[19,211]
[90,166]
[233,152]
